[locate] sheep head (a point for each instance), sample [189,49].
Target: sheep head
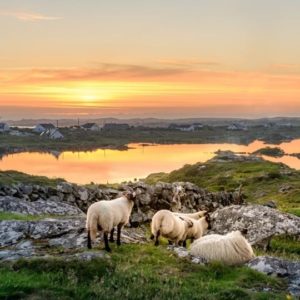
[207,219]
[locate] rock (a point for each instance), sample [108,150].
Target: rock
[65,187]
[8,255]
[83,194]
[280,268]
[11,232]
[285,188]
[26,189]
[39,207]
[271,204]
[89,255]
[262,222]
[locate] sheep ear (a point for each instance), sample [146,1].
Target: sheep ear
[190,223]
[244,231]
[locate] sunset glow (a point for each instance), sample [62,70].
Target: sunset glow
[102,62]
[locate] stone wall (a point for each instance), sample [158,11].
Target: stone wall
[150,198]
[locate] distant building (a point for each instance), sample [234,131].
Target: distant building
[237,127]
[4,127]
[43,127]
[115,126]
[186,127]
[52,134]
[90,126]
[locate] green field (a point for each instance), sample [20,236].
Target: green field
[134,272]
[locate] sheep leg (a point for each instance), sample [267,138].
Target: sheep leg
[89,243]
[111,239]
[170,242]
[119,234]
[105,236]
[184,244]
[157,238]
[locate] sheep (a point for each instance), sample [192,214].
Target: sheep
[231,249]
[198,229]
[170,226]
[196,216]
[105,215]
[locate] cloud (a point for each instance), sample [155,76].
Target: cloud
[28,16]
[188,62]
[101,71]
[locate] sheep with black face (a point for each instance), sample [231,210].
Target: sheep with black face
[105,215]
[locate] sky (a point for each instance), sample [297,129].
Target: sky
[140,58]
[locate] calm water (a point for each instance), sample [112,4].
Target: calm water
[112,166]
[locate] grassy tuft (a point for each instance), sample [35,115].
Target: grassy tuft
[134,272]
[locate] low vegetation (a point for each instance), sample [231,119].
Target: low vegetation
[13,177]
[261,181]
[134,272]
[269,151]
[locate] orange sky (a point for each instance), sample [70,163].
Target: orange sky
[199,58]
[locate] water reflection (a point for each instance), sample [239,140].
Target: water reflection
[102,166]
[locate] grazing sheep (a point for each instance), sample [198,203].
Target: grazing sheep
[231,249]
[106,214]
[170,226]
[198,229]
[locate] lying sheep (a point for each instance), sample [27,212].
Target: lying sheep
[170,226]
[231,249]
[105,215]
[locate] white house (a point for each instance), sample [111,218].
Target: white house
[53,134]
[43,127]
[90,126]
[4,127]
[186,127]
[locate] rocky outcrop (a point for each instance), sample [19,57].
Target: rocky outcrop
[36,238]
[39,207]
[262,222]
[280,268]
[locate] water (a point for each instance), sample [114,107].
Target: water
[111,166]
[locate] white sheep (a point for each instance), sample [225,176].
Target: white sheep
[198,229]
[106,214]
[201,222]
[196,216]
[174,228]
[231,249]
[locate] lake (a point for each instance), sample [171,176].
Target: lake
[111,166]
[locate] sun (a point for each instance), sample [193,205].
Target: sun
[89,97]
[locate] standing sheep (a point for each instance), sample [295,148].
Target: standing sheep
[231,249]
[170,226]
[106,214]
[198,229]
[196,216]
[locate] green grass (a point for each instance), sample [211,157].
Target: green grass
[134,272]
[13,177]
[261,180]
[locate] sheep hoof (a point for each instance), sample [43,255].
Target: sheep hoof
[107,249]
[118,243]
[111,240]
